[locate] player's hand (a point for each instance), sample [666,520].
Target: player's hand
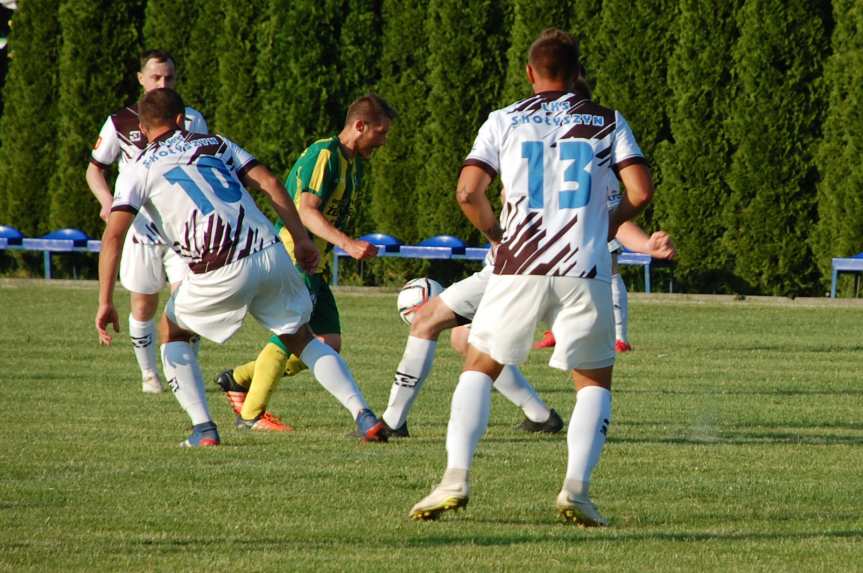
[106,315]
[361,250]
[660,246]
[105,212]
[307,255]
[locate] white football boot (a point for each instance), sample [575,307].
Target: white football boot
[444,497]
[579,510]
[150,383]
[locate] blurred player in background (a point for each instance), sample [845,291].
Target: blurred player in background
[322,183]
[555,152]
[191,187]
[146,262]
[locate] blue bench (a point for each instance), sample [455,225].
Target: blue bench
[60,241]
[446,247]
[845,265]
[440,247]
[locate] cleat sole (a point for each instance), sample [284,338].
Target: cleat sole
[451,504]
[569,515]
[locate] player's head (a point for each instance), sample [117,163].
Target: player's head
[160,110]
[157,70]
[369,119]
[553,57]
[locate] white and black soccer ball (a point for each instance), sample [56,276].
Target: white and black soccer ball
[414,294]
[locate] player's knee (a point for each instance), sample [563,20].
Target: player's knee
[601,377]
[297,341]
[143,306]
[334,341]
[458,339]
[171,332]
[478,361]
[431,319]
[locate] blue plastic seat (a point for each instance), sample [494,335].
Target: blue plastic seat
[454,243]
[388,242]
[12,235]
[79,237]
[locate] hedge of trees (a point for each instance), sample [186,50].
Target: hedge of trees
[748,110]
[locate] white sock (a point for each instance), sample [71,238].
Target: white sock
[512,384]
[621,303]
[143,335]
[586,435]
[468,418]
[331,372]
[185,380]
[411,373]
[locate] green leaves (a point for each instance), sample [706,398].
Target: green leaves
[28,126]
[839,232]
[774,128]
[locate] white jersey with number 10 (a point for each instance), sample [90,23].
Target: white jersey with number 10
[189,185]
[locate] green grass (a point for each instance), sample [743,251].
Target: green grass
[735,446]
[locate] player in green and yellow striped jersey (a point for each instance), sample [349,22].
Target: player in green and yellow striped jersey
[322,183]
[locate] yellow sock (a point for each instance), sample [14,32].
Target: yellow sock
[294,365]
[268,369]
[243,374]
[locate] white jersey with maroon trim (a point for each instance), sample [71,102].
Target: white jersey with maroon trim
[121,139]
[556,153]
[189,186]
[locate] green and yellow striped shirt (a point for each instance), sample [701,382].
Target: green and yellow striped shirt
[324,170]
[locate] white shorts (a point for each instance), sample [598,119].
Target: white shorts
[143,268]
[578,310]
[265,285]
[463,297]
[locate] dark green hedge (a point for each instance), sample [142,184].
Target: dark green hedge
[748,110]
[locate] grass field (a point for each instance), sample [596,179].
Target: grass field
[735,446]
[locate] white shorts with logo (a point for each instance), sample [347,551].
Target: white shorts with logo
[146,268]
[578,310]
[265,285]
[464,296]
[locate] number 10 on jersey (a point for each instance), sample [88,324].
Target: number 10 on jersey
[579,154]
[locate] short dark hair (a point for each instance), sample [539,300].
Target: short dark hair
[160,107]
[158,55]
[554,55]
[370,108]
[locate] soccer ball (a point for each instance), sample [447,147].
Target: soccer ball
[415,294]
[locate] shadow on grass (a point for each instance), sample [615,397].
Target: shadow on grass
[752,438]
[785,425]
[780,347]
[430,535]
[771,392]
[611,535]
[724,437]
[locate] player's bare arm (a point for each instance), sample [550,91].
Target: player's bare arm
[260,178]
[470,193]
[638,193]
[101,190]
[109,260]
[658,245]
[314,221]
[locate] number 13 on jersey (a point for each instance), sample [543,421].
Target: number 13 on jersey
[575,158]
